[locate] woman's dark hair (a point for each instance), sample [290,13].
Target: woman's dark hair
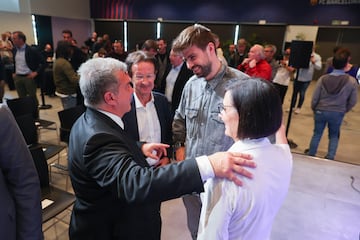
[63,50]
[259,107]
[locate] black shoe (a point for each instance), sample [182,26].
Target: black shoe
[306,151]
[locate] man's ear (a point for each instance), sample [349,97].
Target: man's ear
[211,47]
[109,98]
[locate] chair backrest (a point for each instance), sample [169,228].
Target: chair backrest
[41,165]
[67,119]
[28,128]
[22,106]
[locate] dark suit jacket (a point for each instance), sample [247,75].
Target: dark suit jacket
[163,113]
[34,59]
[20,210]
[117,193]
[183,77]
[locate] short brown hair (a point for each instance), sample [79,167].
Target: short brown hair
[196,34]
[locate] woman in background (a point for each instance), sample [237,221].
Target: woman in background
[65,78]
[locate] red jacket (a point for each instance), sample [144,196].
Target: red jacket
[261,70]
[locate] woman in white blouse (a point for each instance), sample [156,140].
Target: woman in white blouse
[251,111]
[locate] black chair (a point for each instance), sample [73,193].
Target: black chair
[28,128]
[67,119]
[60,200]
[28,105]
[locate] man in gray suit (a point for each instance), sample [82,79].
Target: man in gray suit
[20,210]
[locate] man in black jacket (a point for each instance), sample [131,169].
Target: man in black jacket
[29,65]
[117,193]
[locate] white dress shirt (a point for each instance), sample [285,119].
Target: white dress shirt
[170,81]
[148,123]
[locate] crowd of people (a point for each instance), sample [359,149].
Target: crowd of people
[162,121]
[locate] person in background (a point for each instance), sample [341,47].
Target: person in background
[150,47]
[97,45]
[251,111]
[283,75]
[65,78]
[175,79]
[335,94]
[256,65]
[2,80]
[100,54]
[6,49]
[29,66]
[163,60]
[197,129]
[20,194]
[349,68]
[219,51]
[118,51]
[48,53]
[48,79]
[241,51]
[107,42]
[270,51]
[149,119]
[328,62]
[77,58]
[89,43]
[117,193]
[304,78]
[230,56]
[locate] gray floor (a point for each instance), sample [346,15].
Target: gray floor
[321,203]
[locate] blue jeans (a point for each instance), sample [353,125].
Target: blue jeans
[333,121]
[299,88]
[68,102]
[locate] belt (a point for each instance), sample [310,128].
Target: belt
[22,75]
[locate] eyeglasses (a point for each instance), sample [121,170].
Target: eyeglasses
[150,76]
[223,107]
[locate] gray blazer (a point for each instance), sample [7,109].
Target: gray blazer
[20,208]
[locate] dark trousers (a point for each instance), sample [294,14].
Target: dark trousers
[299,89]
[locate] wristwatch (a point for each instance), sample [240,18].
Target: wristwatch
[178,145]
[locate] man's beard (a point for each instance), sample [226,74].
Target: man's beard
[205,70]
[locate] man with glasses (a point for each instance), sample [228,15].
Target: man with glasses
[149,119]
[197,128]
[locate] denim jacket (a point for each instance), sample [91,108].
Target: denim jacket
[197,121]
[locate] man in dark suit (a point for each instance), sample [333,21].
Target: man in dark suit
[29,66]
[149,119]
[175,79]
[117,192]
[20,209]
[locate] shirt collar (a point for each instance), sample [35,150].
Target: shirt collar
[337,72]
[178,67]
[218,77]
[114,117]
[138,104]
[22,47]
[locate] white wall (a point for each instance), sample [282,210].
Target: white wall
[64,8]
[16,14]
[299,32]
[15,22]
